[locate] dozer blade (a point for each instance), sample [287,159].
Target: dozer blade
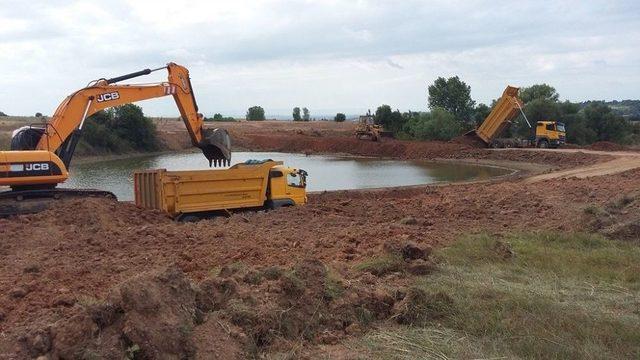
[216,147]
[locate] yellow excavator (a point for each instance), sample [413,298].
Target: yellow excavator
[40,155]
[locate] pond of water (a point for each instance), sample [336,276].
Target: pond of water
[326,172]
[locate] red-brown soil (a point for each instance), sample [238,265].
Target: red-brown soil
[121,281]
[57,259]
[606,146]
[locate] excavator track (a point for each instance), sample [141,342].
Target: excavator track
[18,202]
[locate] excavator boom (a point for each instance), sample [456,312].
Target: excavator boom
[40,157]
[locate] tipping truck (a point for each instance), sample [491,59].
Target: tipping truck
[192,195]
[547,133]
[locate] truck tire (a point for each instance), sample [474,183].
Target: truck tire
[188,218]
[543,144]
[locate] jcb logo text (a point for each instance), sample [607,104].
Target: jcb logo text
[108,96]
[36,167]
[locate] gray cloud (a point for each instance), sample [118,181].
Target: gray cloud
[331,55]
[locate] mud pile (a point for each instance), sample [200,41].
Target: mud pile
[238,313]
[472,141]
[556,159]
[617,219]
[606,146]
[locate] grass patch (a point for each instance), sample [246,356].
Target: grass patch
[381,265]
[333,287]
[594,209]
[559,296]
[5,141]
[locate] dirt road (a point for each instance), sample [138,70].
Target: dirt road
[622,161]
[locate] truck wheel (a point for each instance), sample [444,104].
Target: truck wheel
[543,144]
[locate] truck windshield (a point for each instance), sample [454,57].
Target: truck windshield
[560,127]
[295,179]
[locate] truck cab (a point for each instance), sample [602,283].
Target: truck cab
[287,187]
[550,134]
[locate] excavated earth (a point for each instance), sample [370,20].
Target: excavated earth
[96,278]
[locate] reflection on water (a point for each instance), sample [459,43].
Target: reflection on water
[325,172]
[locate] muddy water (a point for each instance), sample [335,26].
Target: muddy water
[325,172]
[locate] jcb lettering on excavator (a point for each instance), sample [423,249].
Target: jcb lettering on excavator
[108,96]
[36,167]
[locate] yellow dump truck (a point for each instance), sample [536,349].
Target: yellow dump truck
[547,133]
[193,195]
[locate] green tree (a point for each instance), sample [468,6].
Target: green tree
[480,113]
[452,95]
[435,125]
[608,125]
[120,129]
[130,124]
[390,120]
[98,135]
[255,113]
[38,114]
[538,91]
[296,114]
[220,117]
[340,117]
[305,114]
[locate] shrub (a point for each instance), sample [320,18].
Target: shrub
[436,125]
[340,117]
[118,130]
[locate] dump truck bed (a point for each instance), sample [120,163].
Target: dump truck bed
[504,111]
[181,192]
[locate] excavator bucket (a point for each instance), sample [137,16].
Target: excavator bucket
[216,147]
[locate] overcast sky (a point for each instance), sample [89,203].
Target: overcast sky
[329,56]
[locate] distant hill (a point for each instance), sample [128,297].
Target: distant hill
[630,109]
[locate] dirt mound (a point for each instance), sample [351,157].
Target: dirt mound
[238,313]
[471,141]
[151,316]
[617,219]
[56,261]
[557,159]
[606,146]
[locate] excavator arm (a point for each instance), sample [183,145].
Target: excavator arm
[104,93]
[39,157]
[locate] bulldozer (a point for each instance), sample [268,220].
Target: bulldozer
[367,129]
[41,154]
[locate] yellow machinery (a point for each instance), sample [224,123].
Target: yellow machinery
[40,155]
[367,129]
[547,133]
[550,134]
[191,195]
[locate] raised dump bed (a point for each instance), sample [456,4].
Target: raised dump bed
[506,109]
[189,195]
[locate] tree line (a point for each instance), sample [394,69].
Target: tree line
[452,112]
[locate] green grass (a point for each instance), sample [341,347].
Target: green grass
[381,265]
[571,296]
